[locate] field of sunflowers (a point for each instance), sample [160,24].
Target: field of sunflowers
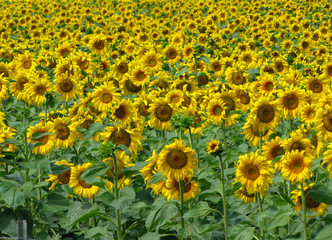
[184,120]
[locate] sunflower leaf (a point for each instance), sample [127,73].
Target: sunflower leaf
[97,170]
[38,135]
[80,212]
[204,59]
[93,129]
[312,134]
[199,210]
[156,178]
[286,198]
[181,72]
[276,159]
[321,193]
[124,148]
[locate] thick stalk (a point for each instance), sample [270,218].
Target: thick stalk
[304,213]
[191,138]
[116,191]
[181,202]
[223,195]
[259,200]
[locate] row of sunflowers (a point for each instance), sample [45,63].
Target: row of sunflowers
[165,119]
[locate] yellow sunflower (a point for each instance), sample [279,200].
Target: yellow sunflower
[25,62]
[47,141]
[80,186]
[291,100]
[310,204]
[151,168]
[213,146]
[36,91]
[254,173]
[273,149]
[120,68]
[62,178]
[98,44]
[252,133]
[327,159]
[324,122]
[265,114]
[3,89]
[298,142]
[243,194]
[177,161]
[18,85]
[139,75]
[296,166]
[65,133]
[67,87]
[161,114]
[190,189]
[123,111]
[105,96]
[216,111]
[152,61]
[308,114]
[171,54]
[120,134]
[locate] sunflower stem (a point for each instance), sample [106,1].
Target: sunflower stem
[116,190]
[289,195]
[191,138]
[223,194]
[291,125]
[304,222]
[181,202]
[259,200]
[260,141]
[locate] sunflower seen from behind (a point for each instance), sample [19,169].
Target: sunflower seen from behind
[177,161]
[63,177]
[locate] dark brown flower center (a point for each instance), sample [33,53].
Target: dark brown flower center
[164,112]
[123,68]
[266,113]
[121,137]
[99,45]
[62,131]
[171,53]
[316,86]
[106,97]
[177,159]
[66,85]
[328,121]
[64,177]
[252,172]
[121,112]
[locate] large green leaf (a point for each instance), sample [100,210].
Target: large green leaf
[181,72]
[38,161]
[321,193]
[198,211]
[13,193]
[325,233]
[56,203]
[96,232]
[93,129]
[281,218]
[151,236]
[241,232]
[97,170]
[80,212]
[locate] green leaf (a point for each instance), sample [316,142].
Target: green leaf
[253,71]
[321,193]
[241,232]
[325,233]
[13,193]
[106,197]
[277,159]
[97,170]
[262,220]
[93,129]
[126,196]
[99,25]
[156,178]
[151,236]
[286,198]
[204,59]
[124,148]
[56,203]
[38,161]
[80,212]
[96,232]
[199,210]
[234,112]
[40,135]
[281,218]
[312,134]
[181,72]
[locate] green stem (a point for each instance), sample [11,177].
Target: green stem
[223,195]
[116,190]
[191,138]
[304,213]
[259,200]
[289,195]
[181,202]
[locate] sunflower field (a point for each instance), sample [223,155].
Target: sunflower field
[184,120]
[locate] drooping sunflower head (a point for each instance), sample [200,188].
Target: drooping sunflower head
[243,194]
[63,177]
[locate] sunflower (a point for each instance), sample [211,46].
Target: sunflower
[62,178]
[123,111]
[292,101]
[213,147]
[161,114]
[98,44]
[324,122]
[273,149]
[128,87]
[298,142]
[139,75]
[171,54]
[265,114]
[310,204]
[267,86]
[65,133]
[243,194]
[296,166]
[316,140]
[175,97]
[83,61]
[254,173]
[317,85]
[104,97]
[18,85]
[80,186]
[328,70]
[152,61]
[190,189]
[308,114]
[327,159]
[123,161]
[151,168]
[231,103]
[67,87]
[120,68]
[252,133]
[216,111]
[236,75]
[243,93]
[36,91]
[25,62]
[120,134]
[47,142]
[3,89]
[188,51]
[177,161]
